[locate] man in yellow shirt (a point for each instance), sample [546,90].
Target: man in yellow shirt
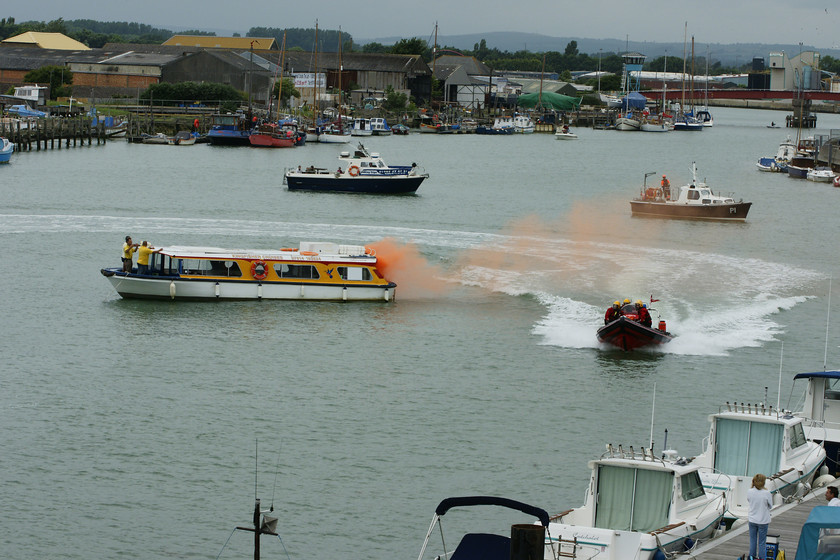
[128,251]
[143,257]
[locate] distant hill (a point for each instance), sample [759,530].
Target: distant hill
[730,54]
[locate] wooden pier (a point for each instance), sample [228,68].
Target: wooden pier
[51,132]
[786,522]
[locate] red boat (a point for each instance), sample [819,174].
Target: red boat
[628,333]
[271,136]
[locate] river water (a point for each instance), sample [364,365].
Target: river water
[130,427]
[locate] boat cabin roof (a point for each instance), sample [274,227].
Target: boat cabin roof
[825,374]
[308,251]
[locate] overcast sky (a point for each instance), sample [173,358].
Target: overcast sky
[809,22]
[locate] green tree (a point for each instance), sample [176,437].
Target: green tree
[289,91]
[166,93]
[410,46]
[394,100]
[59,79]
[571,49]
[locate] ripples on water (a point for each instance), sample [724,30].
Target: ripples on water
[129,427]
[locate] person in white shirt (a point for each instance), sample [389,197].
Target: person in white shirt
[831,496]
[760,501]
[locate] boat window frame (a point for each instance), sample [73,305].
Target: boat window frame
[278,268]
[343,271]
[796,435]
[690,485]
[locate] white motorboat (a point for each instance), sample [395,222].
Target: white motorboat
[359,172]
[530,540]
[820,174]
[636,505]
[565,133]
[314,271]
[521,124]
[745,440]
[380,127]
[821,413]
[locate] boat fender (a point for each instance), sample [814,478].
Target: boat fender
[259,270]
[823,480]
[353,171]
[662,326]
[659,555]
[172,289]
[688,544]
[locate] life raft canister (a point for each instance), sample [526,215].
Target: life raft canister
[662,326]
[259,270]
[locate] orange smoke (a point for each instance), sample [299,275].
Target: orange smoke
[404,265]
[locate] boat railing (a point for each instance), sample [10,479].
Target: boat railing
[645,454]
[758,409]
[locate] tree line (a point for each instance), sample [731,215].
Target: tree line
[96,34]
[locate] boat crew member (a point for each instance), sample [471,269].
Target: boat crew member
[644,314]
[666,187]
[128,251]
[613,313]
[143,257]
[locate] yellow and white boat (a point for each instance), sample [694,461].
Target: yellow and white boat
[314,271]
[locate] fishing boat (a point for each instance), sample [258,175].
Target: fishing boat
[271,135]
[181,138]
[380,127]
[639,506]
[360,172]
[628,121]
[229,130]
[745,440]
[400,129]
[361,127]
[693,201]
[6,149]
[526,540]
[628,333]
[314,271]
[779,162]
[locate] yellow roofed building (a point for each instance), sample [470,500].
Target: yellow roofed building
[211,42]
[36,39]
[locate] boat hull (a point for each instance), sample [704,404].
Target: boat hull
[271,141]
[405,184]
[728,212]
[136,286]
[628,334]
[229,137]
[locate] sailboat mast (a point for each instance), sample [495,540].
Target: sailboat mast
[685,39]
[692,75]
[282,62]
[434,52]
[315,84]
[340,70]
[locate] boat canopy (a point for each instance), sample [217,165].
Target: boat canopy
[450,503]
[816,541]
[825,374]
[633,100]
[550,100]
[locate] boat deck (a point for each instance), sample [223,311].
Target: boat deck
[787,523]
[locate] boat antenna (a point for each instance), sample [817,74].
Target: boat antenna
[256,454]
[652,414]
[828,314]
[276,468]
[781,358]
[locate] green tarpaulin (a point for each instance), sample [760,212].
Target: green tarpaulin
[549,100]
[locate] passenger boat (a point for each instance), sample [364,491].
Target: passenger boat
[779,162]
[526,540]
[380,127]
[639,506]
[628,333]
[314,271]
[229,130]
[362,172]
[693,201]
[819,538]
[745,440]
[6,149]
[271,135]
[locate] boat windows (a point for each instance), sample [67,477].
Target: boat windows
[633,499]
[692,486]
[745,448]
[203,267]
[354,273]
[163,265]
[797,436]
[693,194]
[297,271]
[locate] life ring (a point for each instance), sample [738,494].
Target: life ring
[650,192]
[370,251]
[353,171]
[308,253]
[259,270]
